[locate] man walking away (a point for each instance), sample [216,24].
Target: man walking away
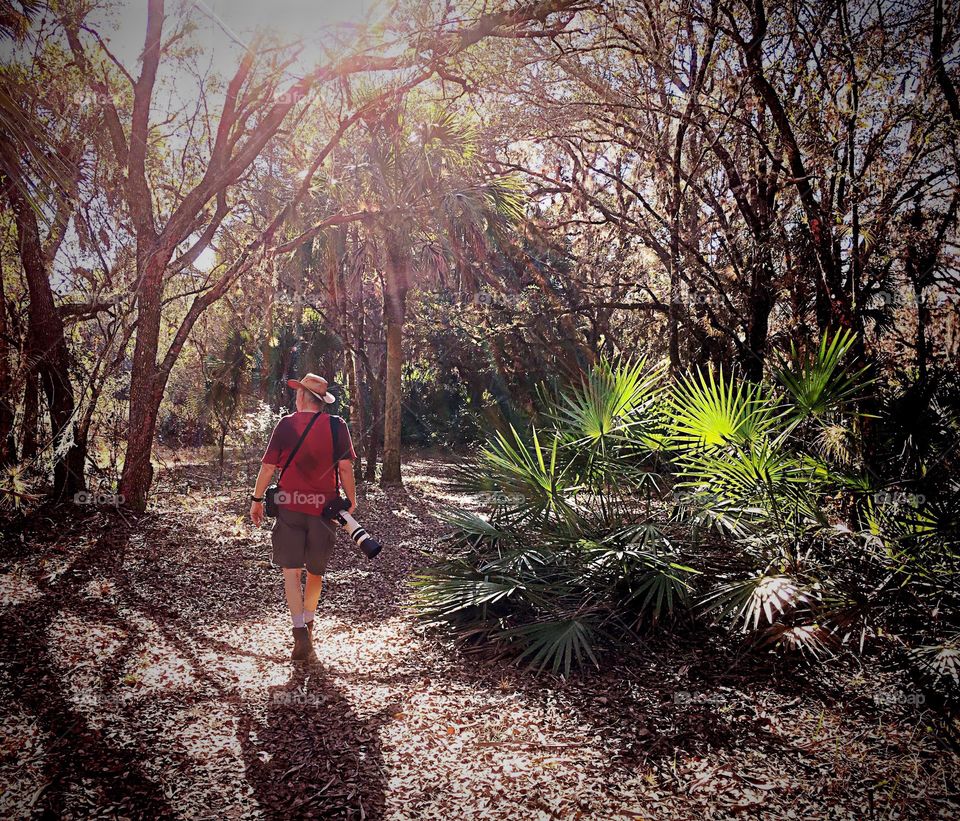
[301,537]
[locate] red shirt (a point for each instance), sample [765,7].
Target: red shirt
[309,482]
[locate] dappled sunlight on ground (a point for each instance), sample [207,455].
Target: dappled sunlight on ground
[439,488]
[203,759]
[146,674]
[16,589]
[156,665]
[487,748]
[86,649]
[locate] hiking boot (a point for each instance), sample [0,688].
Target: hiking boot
[302,647]
[312,656]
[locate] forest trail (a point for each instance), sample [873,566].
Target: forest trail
[145,674]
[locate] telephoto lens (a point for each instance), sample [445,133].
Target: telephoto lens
[336,510]
[364,540]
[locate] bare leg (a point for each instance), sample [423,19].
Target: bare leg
[311,595]
[291,587]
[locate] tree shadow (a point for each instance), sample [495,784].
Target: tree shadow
[669,697]
[305,752]
[78,756]
[101,762]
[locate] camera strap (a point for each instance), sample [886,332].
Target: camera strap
[296,447]
[336,451]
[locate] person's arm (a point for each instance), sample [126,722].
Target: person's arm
[269,464]
[345,469]
[263,481]
[345,454]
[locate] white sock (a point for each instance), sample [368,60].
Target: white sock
[298,621]
[308,616]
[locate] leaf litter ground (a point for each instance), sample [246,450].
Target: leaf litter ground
[145,674]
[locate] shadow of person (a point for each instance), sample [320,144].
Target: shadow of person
[307,754]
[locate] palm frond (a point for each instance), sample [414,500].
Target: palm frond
[506,197]
[811,640]
[448,593]
[15,19]
[942,661]
[521,562]
[612,400]
[469,528]
[740,486]
[821,383]
[713,411]
[750,600]
[836,442]
[660,589]
[532,476]
[447,135]
[646,567]
[555,644]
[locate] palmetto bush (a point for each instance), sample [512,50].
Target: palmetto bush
[599,515]
[570,553]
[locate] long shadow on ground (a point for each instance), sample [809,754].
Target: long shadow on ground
[81,761]
[311,756]
[172,714]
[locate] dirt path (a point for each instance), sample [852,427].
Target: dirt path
[145,675]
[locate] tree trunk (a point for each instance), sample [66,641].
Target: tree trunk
[370,474]
[7,395]
[264,386]
[358,390]
[758,319]
[137,475]
[919,265]
[334,252]
[393,409]
[673,323]
[46,348]
[31,412]
[394,314]
[77,457]
[923,317]
[373,438]
[222,444]
[832,290]
[675,316]
[146,386]
[356,412]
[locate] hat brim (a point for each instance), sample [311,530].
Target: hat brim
[327,397]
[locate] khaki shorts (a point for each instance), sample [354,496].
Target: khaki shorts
[302,540]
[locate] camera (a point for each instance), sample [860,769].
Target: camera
[336,511]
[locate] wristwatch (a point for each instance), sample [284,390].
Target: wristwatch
[256,498]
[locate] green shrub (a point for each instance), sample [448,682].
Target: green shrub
[596,519]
